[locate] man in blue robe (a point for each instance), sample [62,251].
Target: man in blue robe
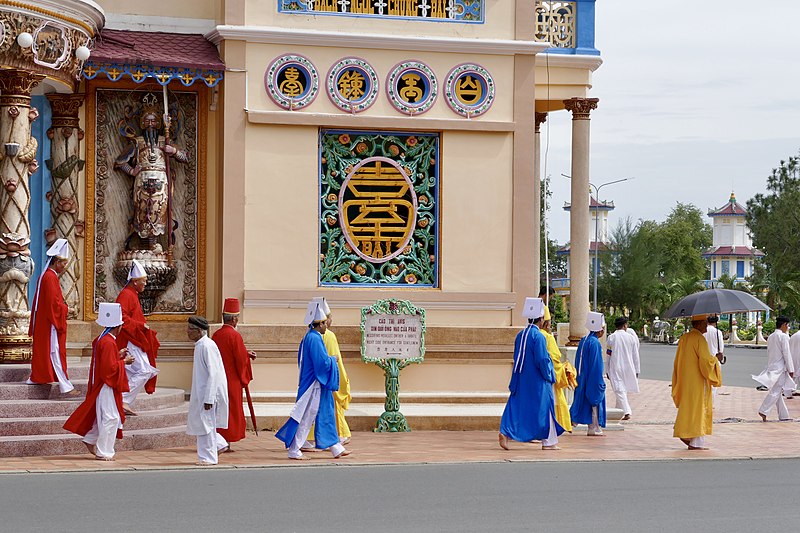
[589,402]
[530,410]
[319,377]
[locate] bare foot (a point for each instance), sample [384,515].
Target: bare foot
[696,448]
[685,441]
[128,410]
[343,454]
[300,458]
[553,447]
[226,449]
[72,394]
[626,417]
[204,463]
[763,417]
[503,440]
[345,442]
[103,458]
[91,447]
[596,434]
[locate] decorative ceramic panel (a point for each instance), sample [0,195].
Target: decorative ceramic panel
[352,85]
[412,87]
[469,90]
[466,11]
[379,198]
[292,81]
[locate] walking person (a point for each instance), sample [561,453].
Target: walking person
[208,402]
[623,364]
[715,345]
[778,374]
[589,402]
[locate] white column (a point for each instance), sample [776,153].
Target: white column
[537,187]
[579,216]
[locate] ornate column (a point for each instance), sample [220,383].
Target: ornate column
[64,165]
[579,216]
[540,118]
[17,163]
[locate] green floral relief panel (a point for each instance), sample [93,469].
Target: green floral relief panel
[379,208]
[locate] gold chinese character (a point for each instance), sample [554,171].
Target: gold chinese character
[378,214]
[351,85]
[468,90]
[291,86]
[409,90]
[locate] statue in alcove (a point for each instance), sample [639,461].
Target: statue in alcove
[147,159]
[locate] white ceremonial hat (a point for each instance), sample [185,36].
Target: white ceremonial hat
[109,315]
[60,248]
[595,321]
[314,312]
[137,270]
[534,308]
[323,303]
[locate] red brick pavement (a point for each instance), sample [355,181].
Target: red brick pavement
[648,436]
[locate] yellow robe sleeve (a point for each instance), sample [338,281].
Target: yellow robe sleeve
[555,356]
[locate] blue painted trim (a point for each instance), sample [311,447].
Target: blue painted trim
[285,7]
[584,32]
[40,183]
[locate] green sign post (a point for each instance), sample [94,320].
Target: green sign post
[392,337]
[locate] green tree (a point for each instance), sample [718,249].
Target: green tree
[770,218]
[683,238]
[557,264]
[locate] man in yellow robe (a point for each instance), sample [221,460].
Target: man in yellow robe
[694,373]
[342,397]
[563,372]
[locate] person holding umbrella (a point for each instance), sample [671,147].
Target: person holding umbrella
[778,374]
[694,373]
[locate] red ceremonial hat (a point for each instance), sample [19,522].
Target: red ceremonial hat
[231,306]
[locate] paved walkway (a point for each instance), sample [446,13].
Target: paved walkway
[647,437]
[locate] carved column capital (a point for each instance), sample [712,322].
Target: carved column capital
[581,107]
[16,87]
[540,118]
[65,109]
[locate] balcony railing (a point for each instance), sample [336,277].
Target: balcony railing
[567,26]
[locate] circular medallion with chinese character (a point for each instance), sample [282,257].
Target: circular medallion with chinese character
[378,209]
[352,85]
[292,81]
[412,87]
[469,90]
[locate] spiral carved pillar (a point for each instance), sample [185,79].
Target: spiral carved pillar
[64,164]
[17,163]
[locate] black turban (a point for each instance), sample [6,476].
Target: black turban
[199,322]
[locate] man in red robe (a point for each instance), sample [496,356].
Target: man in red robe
[99,418]
[48,325]
[138,338]
[236,360]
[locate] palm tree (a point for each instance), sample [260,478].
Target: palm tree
[685,286]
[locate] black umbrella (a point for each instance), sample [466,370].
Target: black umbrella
[715,301]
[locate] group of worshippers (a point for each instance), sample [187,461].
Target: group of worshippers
[536,409]
[323,391]
[48,328]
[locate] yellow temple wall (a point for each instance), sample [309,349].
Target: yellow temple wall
[199,9]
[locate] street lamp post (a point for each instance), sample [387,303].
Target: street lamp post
[596,224]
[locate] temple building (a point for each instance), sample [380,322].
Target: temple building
[278,150]
[732,253]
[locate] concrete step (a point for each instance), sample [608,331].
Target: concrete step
[71,444]
[53,425]
[162,398]
[21,372]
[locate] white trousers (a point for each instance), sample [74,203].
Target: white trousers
[594,427]
[139,372]
[697,442]
[107,421]
[55,359]
[622,401]
[552,436]
[305,422]
[221,442]
[207,447]
[774,397]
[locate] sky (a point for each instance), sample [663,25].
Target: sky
[697,99]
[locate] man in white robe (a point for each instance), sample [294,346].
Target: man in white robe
[208,404]
[779,372]
[715,345]
[794,348]
[622,349]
